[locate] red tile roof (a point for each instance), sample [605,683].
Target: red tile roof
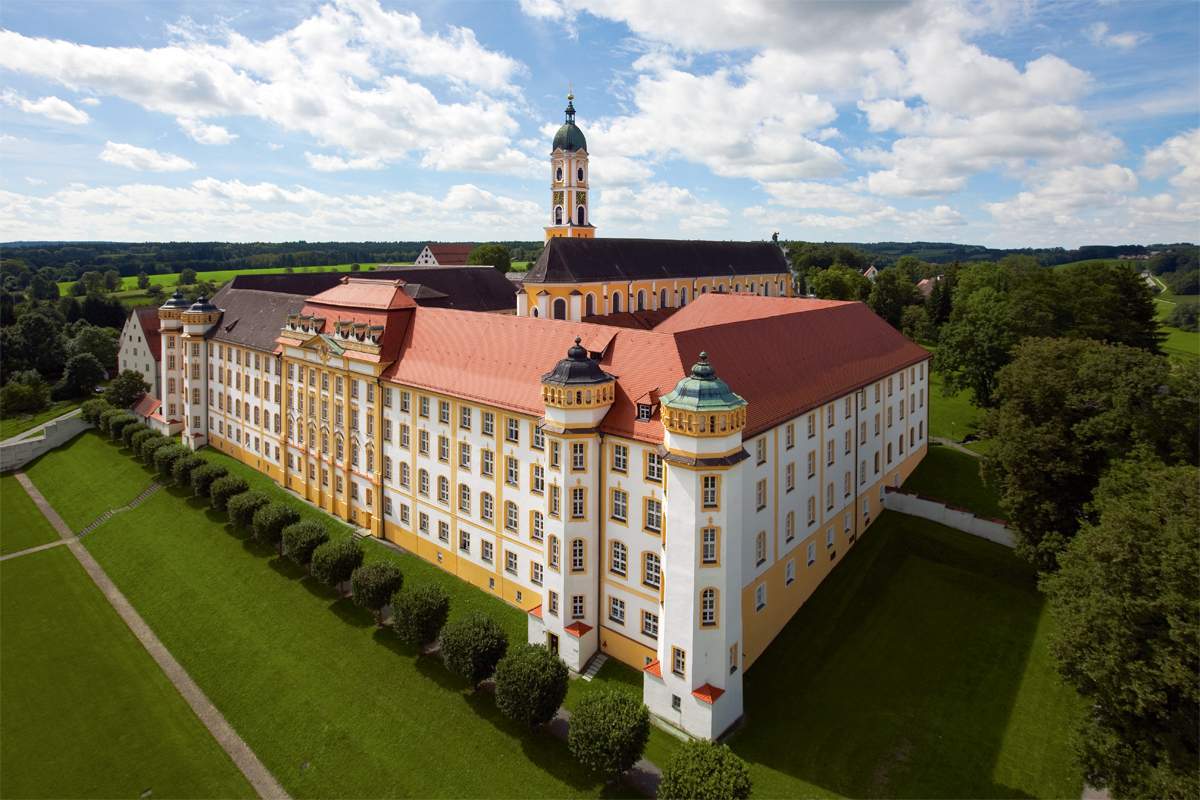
[367,301]
[708,693]
[644,320]
[451,255]
[784,355]
[147,317]
[654,668]
[364,293]
[536,611]
[578,629]
[147,406]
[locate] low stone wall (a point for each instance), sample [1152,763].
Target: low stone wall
[958,518]
[17,454]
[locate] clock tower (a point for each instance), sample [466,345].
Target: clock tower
[569,212]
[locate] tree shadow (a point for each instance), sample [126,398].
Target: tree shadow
[350,613]
[285,567]
[898,676]
[386,637]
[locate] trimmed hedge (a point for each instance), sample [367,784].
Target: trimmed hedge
[608,732]
[181,470]
[373,586]
[269,522]
[92,409]
[203,478]
[531,683]
[224,488]
[117,425]
[705,771]
[151,444]
[129,431]
[472,646]
[165,458]
[334,562]
[242,508]
[418,615]
[107,416]
[301,539]
[136,440]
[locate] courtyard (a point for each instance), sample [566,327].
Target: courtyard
[919,668]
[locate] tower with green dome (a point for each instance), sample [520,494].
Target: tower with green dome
[569,211]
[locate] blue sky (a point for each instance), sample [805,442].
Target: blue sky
[1000,123]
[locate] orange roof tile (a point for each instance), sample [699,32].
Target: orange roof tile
[654,668]
[364,293]
[578,629]
[708,693]
[536,611]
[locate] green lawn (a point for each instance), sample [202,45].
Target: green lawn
[21,524]
[951,416]
[920,668]
[171,279]
[19,423]
[87,711]
[623,678]
[331,705]
[953,477]
[87,477]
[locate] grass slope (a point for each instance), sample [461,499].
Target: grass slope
[21,524]
[953,477]
[87,477]
[951,416]
[87,711]
[1179,343]
[920,668]
[19,423]
[331,705]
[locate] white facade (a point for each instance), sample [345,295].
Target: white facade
[134,353]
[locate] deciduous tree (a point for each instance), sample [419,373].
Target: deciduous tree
[301,539]
[334,562]
[419,614]
[531,683]
[472,646]
[373,586]
[496,255]
[700,770]
[608,732]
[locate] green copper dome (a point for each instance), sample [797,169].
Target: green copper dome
[703,391]
[569,137]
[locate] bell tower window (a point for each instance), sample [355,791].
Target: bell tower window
[579,220]
[558,215]
[558,174]
[580,173]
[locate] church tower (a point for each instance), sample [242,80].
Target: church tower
[569,212]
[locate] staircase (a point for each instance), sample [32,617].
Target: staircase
[594,666]
[137,501]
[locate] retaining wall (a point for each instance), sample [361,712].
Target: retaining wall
[17,454]
[958,518]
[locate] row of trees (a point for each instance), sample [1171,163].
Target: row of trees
[608,730]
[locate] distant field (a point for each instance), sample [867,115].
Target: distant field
[129,282]
[1100,261]
[1181,343]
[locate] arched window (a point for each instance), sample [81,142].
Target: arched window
[560,309]
[558,174]
[651,570]
[708,608]
[579,173]
[533,312]
[682,298]
[423,482]
[766,290]
[589,304]
[641,300]
[620,558]
[616,302]
[703,290]
[487,507]
[662,299]
[558,215]
[579,220]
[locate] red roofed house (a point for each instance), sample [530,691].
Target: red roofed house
[444,255]
[668,491]
[140,346]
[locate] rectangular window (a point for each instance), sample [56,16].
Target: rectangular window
[423,523]
[489,423]
[578,563]
[710,491]
[535,573]
[576,606]
[464,540]
[708,545]
[620,458]
[443,448]
[464,418]
[537,482]
[616,610]
[760,449]
[488,466]
[444,412]
[650,624]
[512,432]
[555,454]
[578,502]
[423,407]
[405,441]
[554,603]
[760,494]
[510,562]
[537,528]
[464,455]
[760,597]
[423,442]
[653,515]
[512,471]
[760,548]
[486,551]
[654,467]
[678,662]
[789,436]
[555,500]
[443,530]
[620,505]
[789,473]
[578,456]
[812,425]
[789,572]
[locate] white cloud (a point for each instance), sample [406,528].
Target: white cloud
[143,159]
[210,209]
[327,163]
[91,102]
[274,146]
[1099,35]
[350,76]
[650,208]
[1059,196]
[34,181]
[204,133]
[1178,157]
[805,194]
[54,108]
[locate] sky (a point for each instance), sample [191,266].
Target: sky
[1007,123]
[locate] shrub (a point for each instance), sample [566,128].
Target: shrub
[608,732]
[107,416]
[531,683]
[117,426]
[334,562]
[138,438]
[472,646]
[204,476]
[373,586]
[301,539]
[1185,316]
[705,771]
[92,409]
[165,458]
[269,522]
[152,444]
[181,470]
[129,431]
[242,508]
[224,488]
[23,398]
[418,615]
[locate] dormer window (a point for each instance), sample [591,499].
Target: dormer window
[644,412]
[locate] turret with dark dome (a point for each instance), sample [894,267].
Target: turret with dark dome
[569,137]
[577,392]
